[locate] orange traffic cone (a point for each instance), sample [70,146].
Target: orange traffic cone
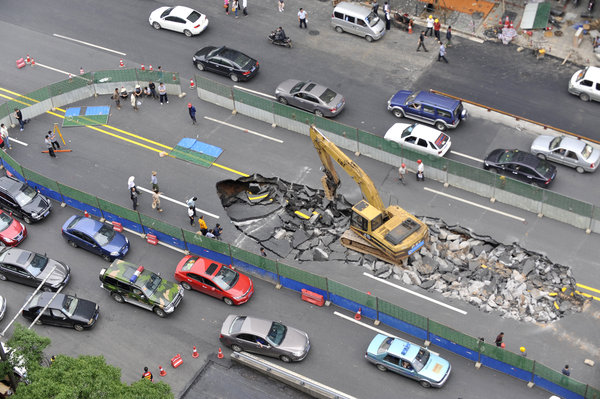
[121,63]
[143,67]
[81,71]
[162,371]
[410,26]
[220,354]
[150,67]
[32,62]
[195,353]
[86,214]
[28,59]
[192,83]
[70,78]
[358,314]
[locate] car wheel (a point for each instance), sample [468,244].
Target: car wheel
[200,66]
[71,243]
[159,312]
[381,367]
[117,297]
[285,359]
[156,25]
[440,126]
[319,113]
[46,289]
[234,77]
[27,219]
[107,258]
[398,113]
[227,301]
[339,29]
[78,327]
[369,38]
[186,286]
[236,348]
[584,97]
[187,33]
[579,169]
[425,384]
[2,277]
[282,100]
[541,156]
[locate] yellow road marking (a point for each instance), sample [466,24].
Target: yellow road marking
[585,287]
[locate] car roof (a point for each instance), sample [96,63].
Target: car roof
[87,225]
[404,349]
[572,144]
[8,182]
[16,256]
[593,73]
[314,88]
[202,265]
[253,325]
[181,11]
[121,270]
[45,297]
[437,100]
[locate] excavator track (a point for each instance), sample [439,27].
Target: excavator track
[350,239]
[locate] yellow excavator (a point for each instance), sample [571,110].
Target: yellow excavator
[391,234]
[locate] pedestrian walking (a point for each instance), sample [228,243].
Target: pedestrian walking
[210,234]
[566,370]
[162,91]
[191,215]
[134,197]
[226,6]
[281,5]
[420,170]
[442,54]
[117,98]
[192,111]
[499,339]
[386,7]
[245,7]
[430,22]
[263,252]
[152,88]
[217,231]
[133,100]
[19,116]
[49,146]
[131,182]
[154,180]
[53,140]
[191,203]
[388,20]
[375,7]
[234,7]
[402,172]
[422,41]
[436,29]
[202,224]
[4,135]
[156,200]
[302,18]
[449,37]
[147,375]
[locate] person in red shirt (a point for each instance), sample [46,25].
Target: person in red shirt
[436,28]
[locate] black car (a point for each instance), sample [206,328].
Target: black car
[522,165]
[23,201]
[31,268]
[63,311]
[226,61]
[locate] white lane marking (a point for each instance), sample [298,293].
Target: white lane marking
[180,203]
[487,208]
[343,316]
[254,91]
[13,140]
[53,69]
[416,294]
[460,154]
[244,129]
[89,44]
[159,242]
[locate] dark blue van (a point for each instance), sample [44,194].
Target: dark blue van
[441,111]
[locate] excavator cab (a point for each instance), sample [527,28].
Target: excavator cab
[366,218]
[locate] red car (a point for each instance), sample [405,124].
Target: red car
[214,279]
[12,232]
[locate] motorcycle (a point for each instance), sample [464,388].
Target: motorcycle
[287,42]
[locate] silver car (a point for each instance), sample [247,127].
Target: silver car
[311,97]
[265,337]
[568,151]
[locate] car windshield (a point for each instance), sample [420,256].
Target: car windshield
[587,151]
[555,143]
[385,345]
[328,96]
[104,235]
[226,278]
[166,12]
[276,333]
[151,285]
[25,195]
[194,16]
[421,359]
[412,97]
[297,87]
[237,58]
[408,130]
[69,305]
[372,19]
[5,221]
[544,168]
[36,264]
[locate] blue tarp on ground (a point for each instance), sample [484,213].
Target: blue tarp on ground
[198,146]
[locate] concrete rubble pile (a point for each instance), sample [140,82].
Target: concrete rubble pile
[297,223]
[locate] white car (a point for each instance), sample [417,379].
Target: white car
[180,19]
[419,137]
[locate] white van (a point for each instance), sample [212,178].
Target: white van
[358,20]
[585,83]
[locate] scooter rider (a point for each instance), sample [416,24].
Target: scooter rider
[280,35]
